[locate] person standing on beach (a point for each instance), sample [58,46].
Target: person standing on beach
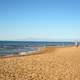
[76,43]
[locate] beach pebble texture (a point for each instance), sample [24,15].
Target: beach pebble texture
[52,63]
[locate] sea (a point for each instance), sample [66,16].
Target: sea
[17,47]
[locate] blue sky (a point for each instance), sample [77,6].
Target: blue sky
[39,19]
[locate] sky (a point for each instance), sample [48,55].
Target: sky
[39,19]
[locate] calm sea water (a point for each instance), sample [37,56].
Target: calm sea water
[15,47]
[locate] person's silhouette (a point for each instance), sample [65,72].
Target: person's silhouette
[76,43]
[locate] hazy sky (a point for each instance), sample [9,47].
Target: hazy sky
[42,19]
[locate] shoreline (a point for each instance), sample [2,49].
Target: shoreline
[23,53]
[50,63]
[41,49]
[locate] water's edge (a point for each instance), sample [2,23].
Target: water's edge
[11,48]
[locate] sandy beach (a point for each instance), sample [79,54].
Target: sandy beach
[52,63]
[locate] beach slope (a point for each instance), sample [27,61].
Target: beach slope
[52,63]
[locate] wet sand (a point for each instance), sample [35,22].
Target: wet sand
[52,63]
